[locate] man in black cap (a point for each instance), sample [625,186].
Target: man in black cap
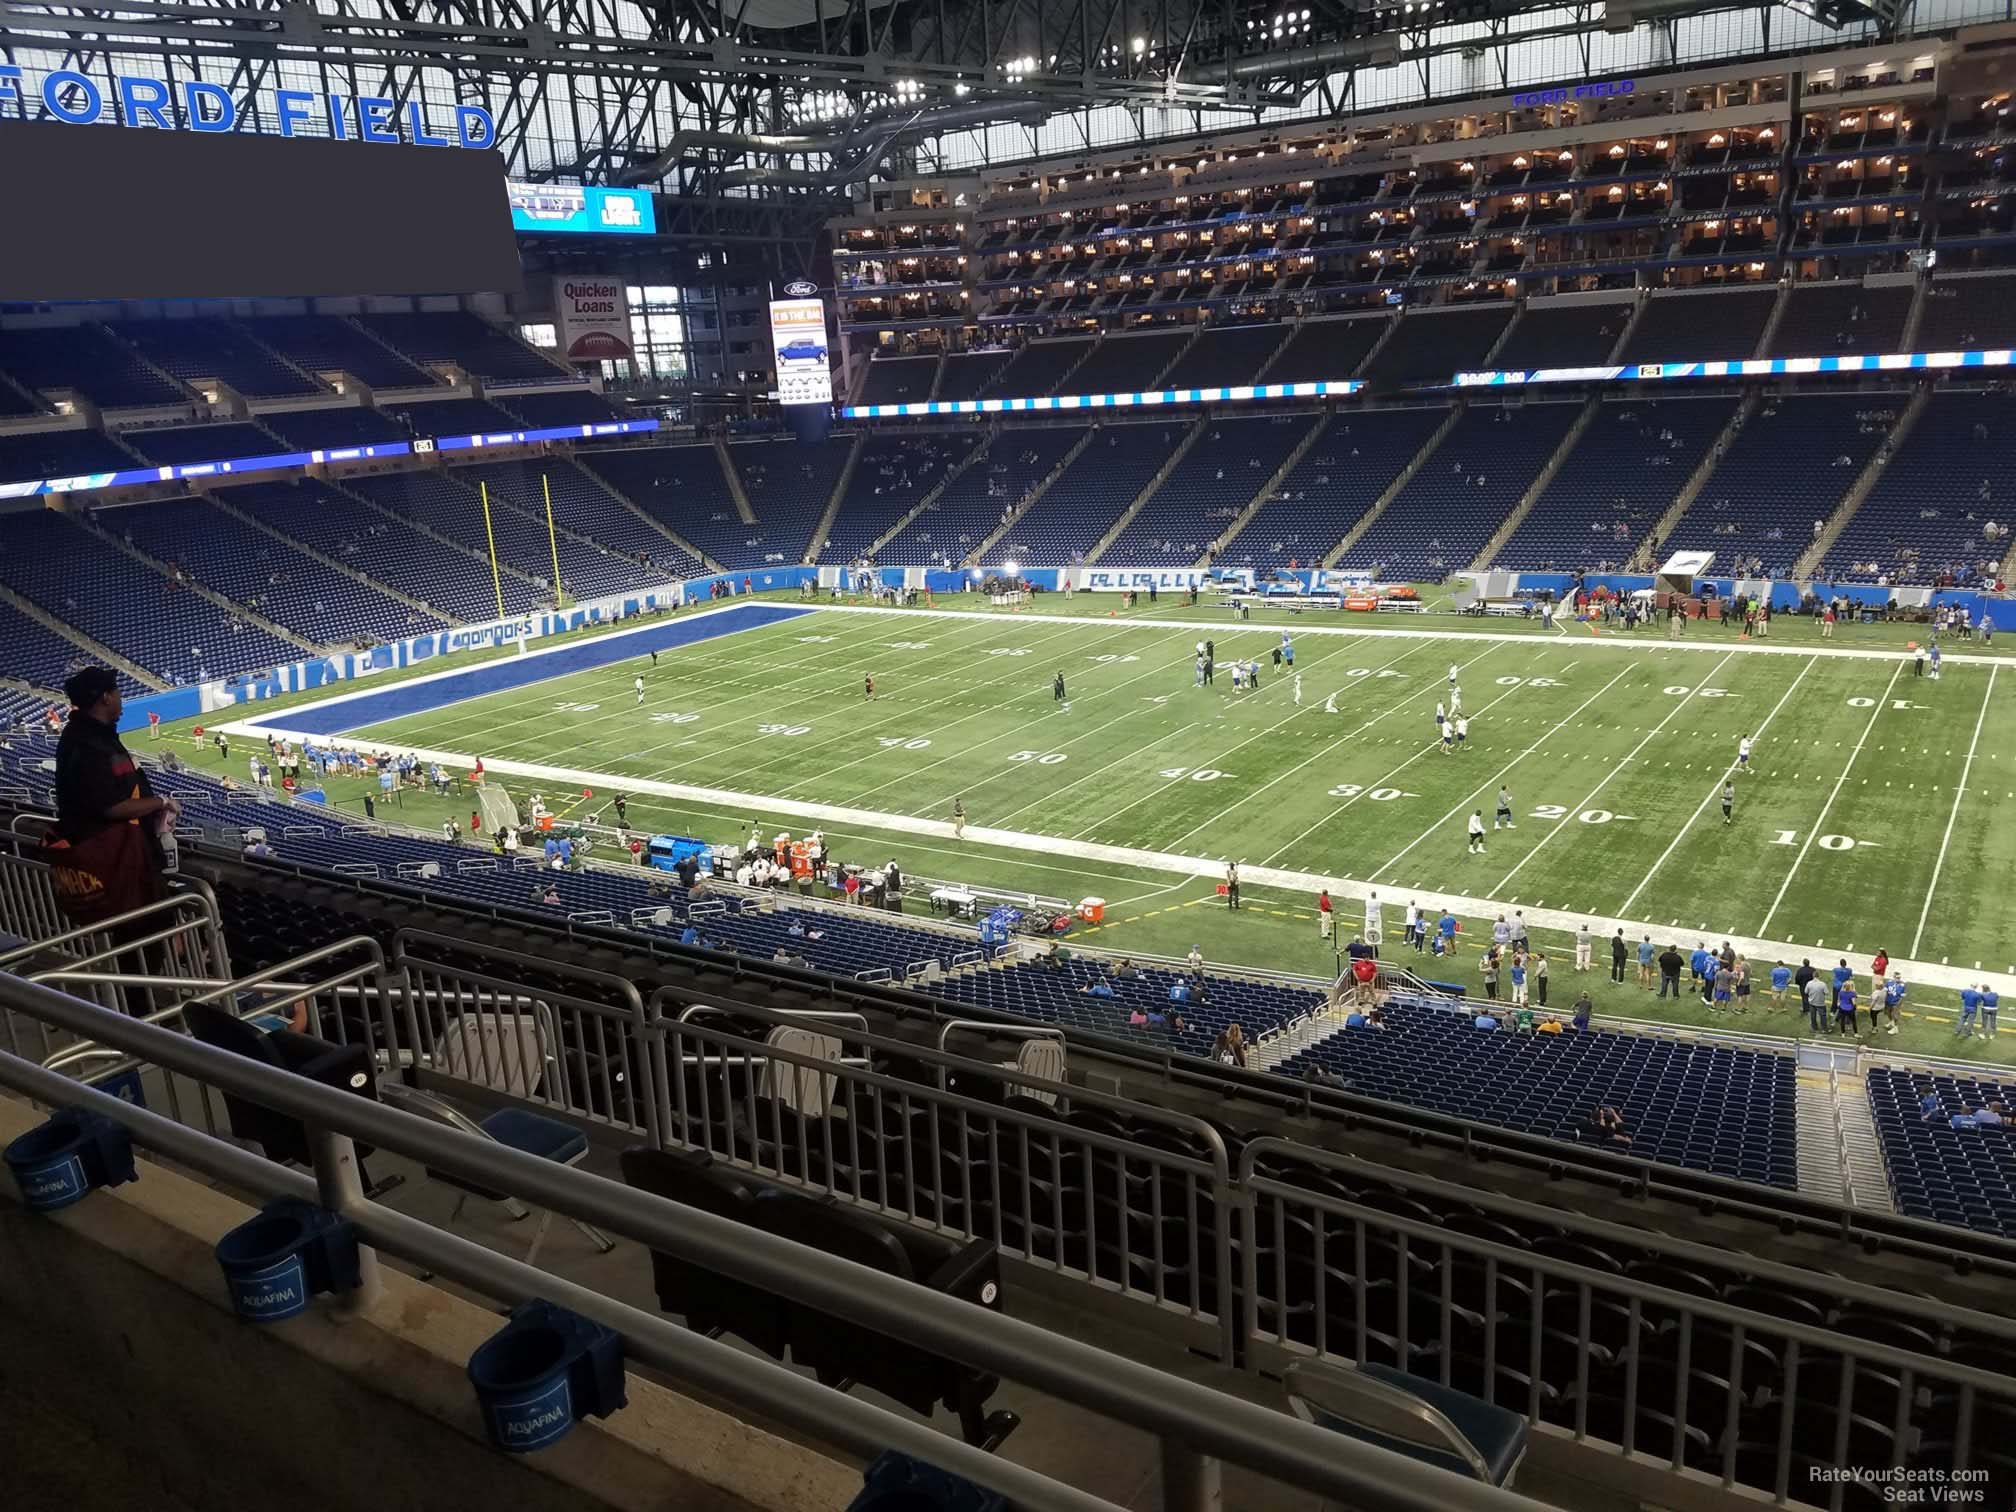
[106,850]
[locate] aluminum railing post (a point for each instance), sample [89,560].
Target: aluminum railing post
[1191,1482]
[340,1182]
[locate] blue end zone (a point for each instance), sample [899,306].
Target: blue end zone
[505,673]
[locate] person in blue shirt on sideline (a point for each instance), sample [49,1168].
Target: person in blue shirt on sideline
[1991,1001]
[1844,1007]
[1893,994]
[1970,1004]
[1843,975]
[1699,960]
[1646,971]
[1446,927]
[1710,969]
[1781,978]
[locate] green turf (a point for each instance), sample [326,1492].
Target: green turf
[1615,777]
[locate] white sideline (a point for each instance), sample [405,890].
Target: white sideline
[1645,640]
[1757,950]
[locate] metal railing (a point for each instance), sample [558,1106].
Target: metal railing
[1659,1366]
[1049,1184]
[1195,1426]
[580,1056]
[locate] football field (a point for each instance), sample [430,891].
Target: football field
[1877,813]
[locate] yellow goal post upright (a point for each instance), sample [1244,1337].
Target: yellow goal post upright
[553,541]
[496,575]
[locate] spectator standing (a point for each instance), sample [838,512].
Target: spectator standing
[1669,972]
[1816,994]
[1619,954]
[1324,922]
[1585,944]
[112,845]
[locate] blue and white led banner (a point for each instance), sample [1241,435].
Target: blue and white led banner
[1329,388]
[1643,372]
[1756,367]
[239,466]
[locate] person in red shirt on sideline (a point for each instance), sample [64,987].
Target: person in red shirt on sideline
[1323,919]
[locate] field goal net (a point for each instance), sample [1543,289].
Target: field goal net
[494,803]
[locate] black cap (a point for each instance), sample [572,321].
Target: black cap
[85,688]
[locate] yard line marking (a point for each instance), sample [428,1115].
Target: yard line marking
[1958,793]
[822,662]
[1294,714]
[1839,782]
[1608,777]
[1499,775]
[1127,755]
[1335,743]
[1381,781]
[1153,670]
[957,668]
[1665,855]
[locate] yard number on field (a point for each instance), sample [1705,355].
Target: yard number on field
[1587,816]
[1895,703]
[898,743]
[1681,690]
[1377,794]
[575,708]
[783,729]
[1041,758]
[1196,774]
[1009,651]
[1534,682]
[673,718]
[1825,842]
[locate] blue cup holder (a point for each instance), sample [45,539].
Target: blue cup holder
[898,1483]
[293,1251]
[57,1162]
[543,1372]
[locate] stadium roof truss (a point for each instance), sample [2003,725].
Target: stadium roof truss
[806,97]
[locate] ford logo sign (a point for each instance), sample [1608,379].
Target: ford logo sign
[800,289]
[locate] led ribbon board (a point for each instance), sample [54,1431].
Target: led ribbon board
[1754,367]
[94,482]
[1326,388]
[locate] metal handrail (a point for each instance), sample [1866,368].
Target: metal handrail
[1502,1261]
[1582,1225]
[1646,1180]
[1186,1416]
